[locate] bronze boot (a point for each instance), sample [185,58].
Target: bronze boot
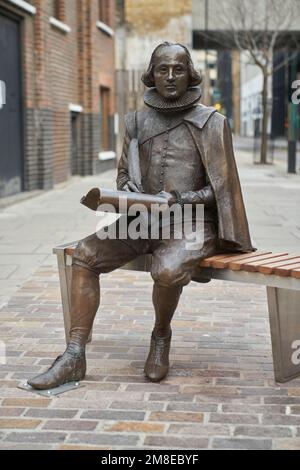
[69,367]
[157,364]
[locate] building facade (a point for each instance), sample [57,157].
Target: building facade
[240,88]
[57,102]
[141,26]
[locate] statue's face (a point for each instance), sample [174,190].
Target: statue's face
[171,74]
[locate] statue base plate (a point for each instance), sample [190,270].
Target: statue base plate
[52,391]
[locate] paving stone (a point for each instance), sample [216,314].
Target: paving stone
[26,402]
[103,439]
[195,407]
[286,444]
[36,438]
[236,399]
[261,391]
[171,397]
[294,392]
[233,418]
[113,415]
[242,444]
[204,430]
[151,387]
[169,416]
[212,391]
[173,442]
[132,427]
[11,411]
[253,409]
[50,413]
[26,446]
[288,420]
[83,447]
[282,400]
[143,406]
[19,423]
[293,410]
[263,431]
[70,425]
[70,403]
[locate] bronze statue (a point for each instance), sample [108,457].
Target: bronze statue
[185,155]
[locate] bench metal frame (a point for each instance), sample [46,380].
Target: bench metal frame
[283,294]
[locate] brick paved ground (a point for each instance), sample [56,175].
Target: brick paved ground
[220,392]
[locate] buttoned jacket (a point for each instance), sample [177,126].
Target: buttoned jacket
[212,137]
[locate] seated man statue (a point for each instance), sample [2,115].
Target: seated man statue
[186,155]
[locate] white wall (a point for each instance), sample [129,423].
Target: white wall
[251,89]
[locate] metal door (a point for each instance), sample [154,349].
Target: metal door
[11,160]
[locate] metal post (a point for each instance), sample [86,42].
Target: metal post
[284,309]
[292,130]
[205,37]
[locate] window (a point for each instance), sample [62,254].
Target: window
[104,11]
[105,118]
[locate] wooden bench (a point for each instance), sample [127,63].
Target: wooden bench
[279,272]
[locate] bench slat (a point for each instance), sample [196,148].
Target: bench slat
[270,268]
[252,263]
[287,269]
[252,267]
[296,273]
[224,262]
[70,250]
[206,263]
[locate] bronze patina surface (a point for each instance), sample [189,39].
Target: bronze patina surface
[182,151]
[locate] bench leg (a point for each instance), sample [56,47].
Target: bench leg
[65,280]
[284,313]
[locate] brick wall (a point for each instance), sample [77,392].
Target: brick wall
[60,68]
[101,66]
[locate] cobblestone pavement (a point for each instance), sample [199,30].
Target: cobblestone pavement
[220,392]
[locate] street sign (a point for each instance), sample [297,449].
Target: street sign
[293,121]
[216,94]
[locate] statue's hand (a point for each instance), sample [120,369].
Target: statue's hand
[130,187]
[170,198]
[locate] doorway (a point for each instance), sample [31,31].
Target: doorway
[11,148]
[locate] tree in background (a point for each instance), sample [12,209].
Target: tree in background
[256,28]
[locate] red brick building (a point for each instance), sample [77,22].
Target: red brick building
[56,91]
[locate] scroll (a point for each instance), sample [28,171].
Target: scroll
[123,200]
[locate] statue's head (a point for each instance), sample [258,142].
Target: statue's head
[171,70]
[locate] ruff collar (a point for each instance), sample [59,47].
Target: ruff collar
[154,100]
